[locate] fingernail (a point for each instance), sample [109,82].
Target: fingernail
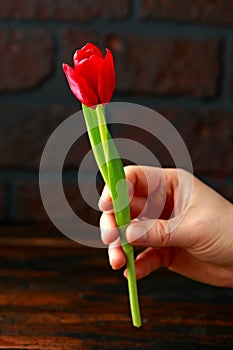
[106,234]
[136,233]
[105,206]
[101,203]
[111,261]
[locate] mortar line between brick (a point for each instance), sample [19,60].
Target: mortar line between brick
[8,175]
[57,51]
[136,5]
[15,176]
[228,70]
[146,28]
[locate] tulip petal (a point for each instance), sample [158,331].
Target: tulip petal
[89,69]
[79,87]
[86,51]
[106,79]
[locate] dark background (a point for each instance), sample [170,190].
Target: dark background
[173,56]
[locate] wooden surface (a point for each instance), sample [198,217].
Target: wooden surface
[63,296]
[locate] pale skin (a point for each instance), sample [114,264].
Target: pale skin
[200,246]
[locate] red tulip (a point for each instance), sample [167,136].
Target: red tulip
[92,80]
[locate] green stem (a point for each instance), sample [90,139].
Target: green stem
[103,134]
[120,200]
[103,130]
[132,285]
[95,140]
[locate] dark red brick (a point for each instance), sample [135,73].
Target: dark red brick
[26,59]
[29,206]
[25,131]
[209,11]
[156,66]
[208,135]
[168,66]
[86,211]
[2,202]
[64,10]
[72,39]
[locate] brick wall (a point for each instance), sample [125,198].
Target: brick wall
[173,56]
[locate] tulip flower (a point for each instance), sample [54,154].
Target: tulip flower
[92,81]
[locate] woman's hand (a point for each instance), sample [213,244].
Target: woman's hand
[187,229]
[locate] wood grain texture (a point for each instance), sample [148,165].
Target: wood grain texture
[68,298]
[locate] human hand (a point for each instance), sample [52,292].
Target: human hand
[189,234]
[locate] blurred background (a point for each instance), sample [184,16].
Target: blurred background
[175,57]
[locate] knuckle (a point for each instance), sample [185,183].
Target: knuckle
[162,236]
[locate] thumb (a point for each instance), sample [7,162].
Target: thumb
[155,233]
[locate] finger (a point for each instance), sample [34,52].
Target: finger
[141,182]
[160,233]
[105,201]
[116,255]
[138,207]
[108,228]
[144,180]
[155,186]
[150,260]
